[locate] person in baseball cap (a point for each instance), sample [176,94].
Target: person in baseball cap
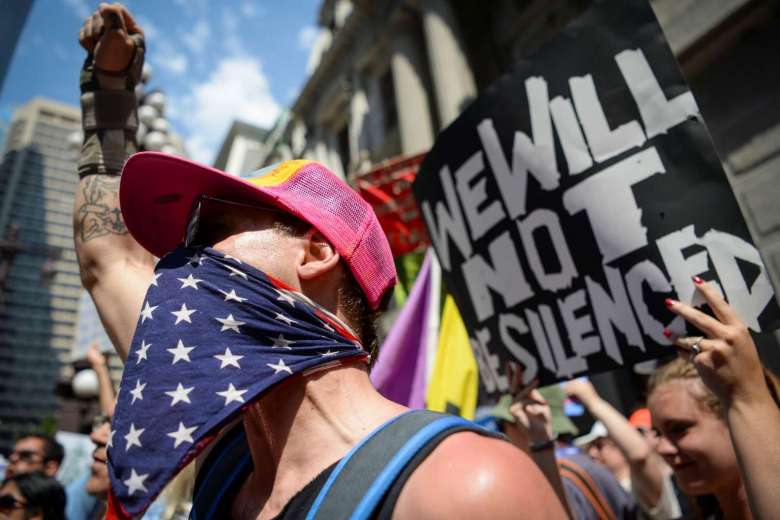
[309,255]
[252,334]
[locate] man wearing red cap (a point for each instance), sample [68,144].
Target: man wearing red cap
[302,258]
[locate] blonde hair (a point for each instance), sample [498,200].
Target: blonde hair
[682,369]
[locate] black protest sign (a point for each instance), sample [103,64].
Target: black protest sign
[575,195]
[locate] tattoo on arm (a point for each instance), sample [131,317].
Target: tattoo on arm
[99,215]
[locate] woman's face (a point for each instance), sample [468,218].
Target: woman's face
[15,509]
[694,440]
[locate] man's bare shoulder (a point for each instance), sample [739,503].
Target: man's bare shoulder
[473,476]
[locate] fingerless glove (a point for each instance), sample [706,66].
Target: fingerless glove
[109,111]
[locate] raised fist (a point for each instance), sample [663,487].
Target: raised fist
[582,390]
[94,356]
[107,36]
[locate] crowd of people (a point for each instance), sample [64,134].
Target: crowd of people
[31,490]
[703,447]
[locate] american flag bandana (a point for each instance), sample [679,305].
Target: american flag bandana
[213,335]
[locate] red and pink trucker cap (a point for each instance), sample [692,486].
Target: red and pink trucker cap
[157,192]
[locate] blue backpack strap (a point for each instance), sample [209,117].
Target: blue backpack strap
[360,481]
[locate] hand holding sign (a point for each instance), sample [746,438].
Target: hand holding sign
[531,412]
[726,358]
[728,363]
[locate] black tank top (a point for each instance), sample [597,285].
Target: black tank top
[299,505]
[234,454]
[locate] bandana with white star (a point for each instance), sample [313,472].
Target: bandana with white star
[214,334]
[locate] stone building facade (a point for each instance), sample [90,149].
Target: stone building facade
[242,147]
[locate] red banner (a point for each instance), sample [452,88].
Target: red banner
[388,188]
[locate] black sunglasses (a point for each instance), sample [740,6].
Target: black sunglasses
[8,502]
[194,219]
[26,455]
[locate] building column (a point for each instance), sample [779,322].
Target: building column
[452,77]
[358,113]
[298,137]
[285,153]
[334,159]
[414,112]
[320,146]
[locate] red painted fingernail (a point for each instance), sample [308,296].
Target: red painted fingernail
[697,280]
[667,333]
[669,302]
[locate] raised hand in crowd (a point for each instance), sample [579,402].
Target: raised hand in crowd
[108,35]
[95,357]
[114,268]
[532,429]
[650,481]
[530,410]
[727,362]
[97,360]
[726,357]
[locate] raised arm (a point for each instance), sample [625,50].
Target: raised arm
[532,430]
[533,423]
[114,268]
[728,363]
[647,475]
[106,395]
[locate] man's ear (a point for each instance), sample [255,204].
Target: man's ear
[319,256]
[50,468]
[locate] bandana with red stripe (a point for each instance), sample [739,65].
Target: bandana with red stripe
[214,334]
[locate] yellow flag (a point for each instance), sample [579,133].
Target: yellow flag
[453,384]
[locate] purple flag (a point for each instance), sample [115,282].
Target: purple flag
[400,373]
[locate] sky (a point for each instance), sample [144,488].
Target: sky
[216,61]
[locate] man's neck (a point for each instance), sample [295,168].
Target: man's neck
[302,427]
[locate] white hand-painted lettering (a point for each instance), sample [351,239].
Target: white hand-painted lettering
[657,113]
[609,193]
[473,196]
[504,275]
[450,222]
[604,143]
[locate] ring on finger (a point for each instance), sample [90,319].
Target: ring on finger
[695,348]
